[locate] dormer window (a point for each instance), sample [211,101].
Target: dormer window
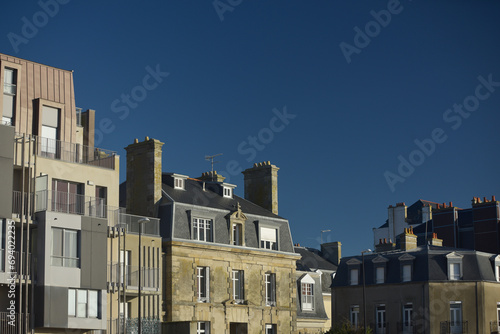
[354,266]
[307,293]
[179,183]
[455,268]
[496,268]
[406,265]
[228,192]
[380,265]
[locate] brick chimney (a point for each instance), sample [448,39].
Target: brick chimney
[261,185]
[435,241]
[211,177]
[408,240]
[332,252]
[144,177]
[384,245]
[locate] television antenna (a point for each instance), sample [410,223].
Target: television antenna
[211,159]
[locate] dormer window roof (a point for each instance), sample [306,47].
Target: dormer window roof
[227,190]
[179,181]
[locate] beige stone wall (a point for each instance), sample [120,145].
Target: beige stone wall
[182,259]
[327,300]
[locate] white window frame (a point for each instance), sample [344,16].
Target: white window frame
[78,297]
[237,231]
[9,89]
[238,280]
[179,183]
[454,260]
[271,329]
[307,293]
[456,324]
[268,242]
[496,267]
[202,229]
[380,275]
[380,319]
[227,192]
[407,272]
[498,316]
[354,276]
[270,283]
[354,316]
[66,261]
[203,280]
[200,329]
[408,318]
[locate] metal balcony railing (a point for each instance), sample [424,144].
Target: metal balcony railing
[58,201]
[149,325]
[129,276]
[380,328]
[406,328]
[17,203]
[454,327]
[495,327]
[10,324]
[131,222]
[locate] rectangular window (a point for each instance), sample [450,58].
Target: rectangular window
[354,275]
[9,96]
[99,205]
[380,319]
[203,282]
[455,317]
[354,316]
[203,327]
[227,192]
[408,318]
[238,286]
[497,273]
[50,131]
[179,183]
[65,248]
[406,272]
[498,316]
[68,197]
[307,297]
[454,271]
[268,238]
[270,289]
[271,329]
[2,244]
[237,234]
[202,229]
[83,303]
[380,275]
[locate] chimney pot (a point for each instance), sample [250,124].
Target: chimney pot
[451,204]
[493,198]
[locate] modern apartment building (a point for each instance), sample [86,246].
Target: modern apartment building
[59,207]
[426,289]
[229,262]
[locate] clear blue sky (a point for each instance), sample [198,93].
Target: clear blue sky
[361,81]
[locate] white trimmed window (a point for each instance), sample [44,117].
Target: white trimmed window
[406,272]
[380,275]
[456,317]
[228,192]
[65,248]
[496,267]
[307,293]
[354,276]
[238,279]
[237,234]
[179,183]
[271,329]
[203,284]
[203,327]
[9,95]
[268,238]
[270,289]
[83,303]
[50,129]
[455,269]
[202,229]
[407,318]
[497,272]
[354,316]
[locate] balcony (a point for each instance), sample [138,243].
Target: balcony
[149,325]
[58,201]
[68,152]
[129,277]
[495,327]
[17,203]
[454,327]
[11,326]
[131,223]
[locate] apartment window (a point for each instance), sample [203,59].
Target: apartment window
[407,318]
[380,319]
[268,237]
[2,245]
[271,329]
[50,131]
[455,269]
[179,183]
[406,272]
[354,276]
[65,248]
[307,296]
[270,289]
[99,205]
[9,96]
[228,192]
[83,303]
[202,229]
[456,317]
[203,284]
[237,234]
[203,327]
[238,286]
[380,275]
[498,316]
[67,197]
[354,316]
[497,272]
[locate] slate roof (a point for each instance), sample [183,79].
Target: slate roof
[430,264]
[312,259]
[195,195]
[414,213]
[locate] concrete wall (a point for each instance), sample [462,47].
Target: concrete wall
[6,170]
[182,259]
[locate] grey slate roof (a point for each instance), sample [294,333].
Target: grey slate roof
[430,264]
[312,259]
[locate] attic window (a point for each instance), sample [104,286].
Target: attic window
[455,270]
[228,192]
[179,183]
